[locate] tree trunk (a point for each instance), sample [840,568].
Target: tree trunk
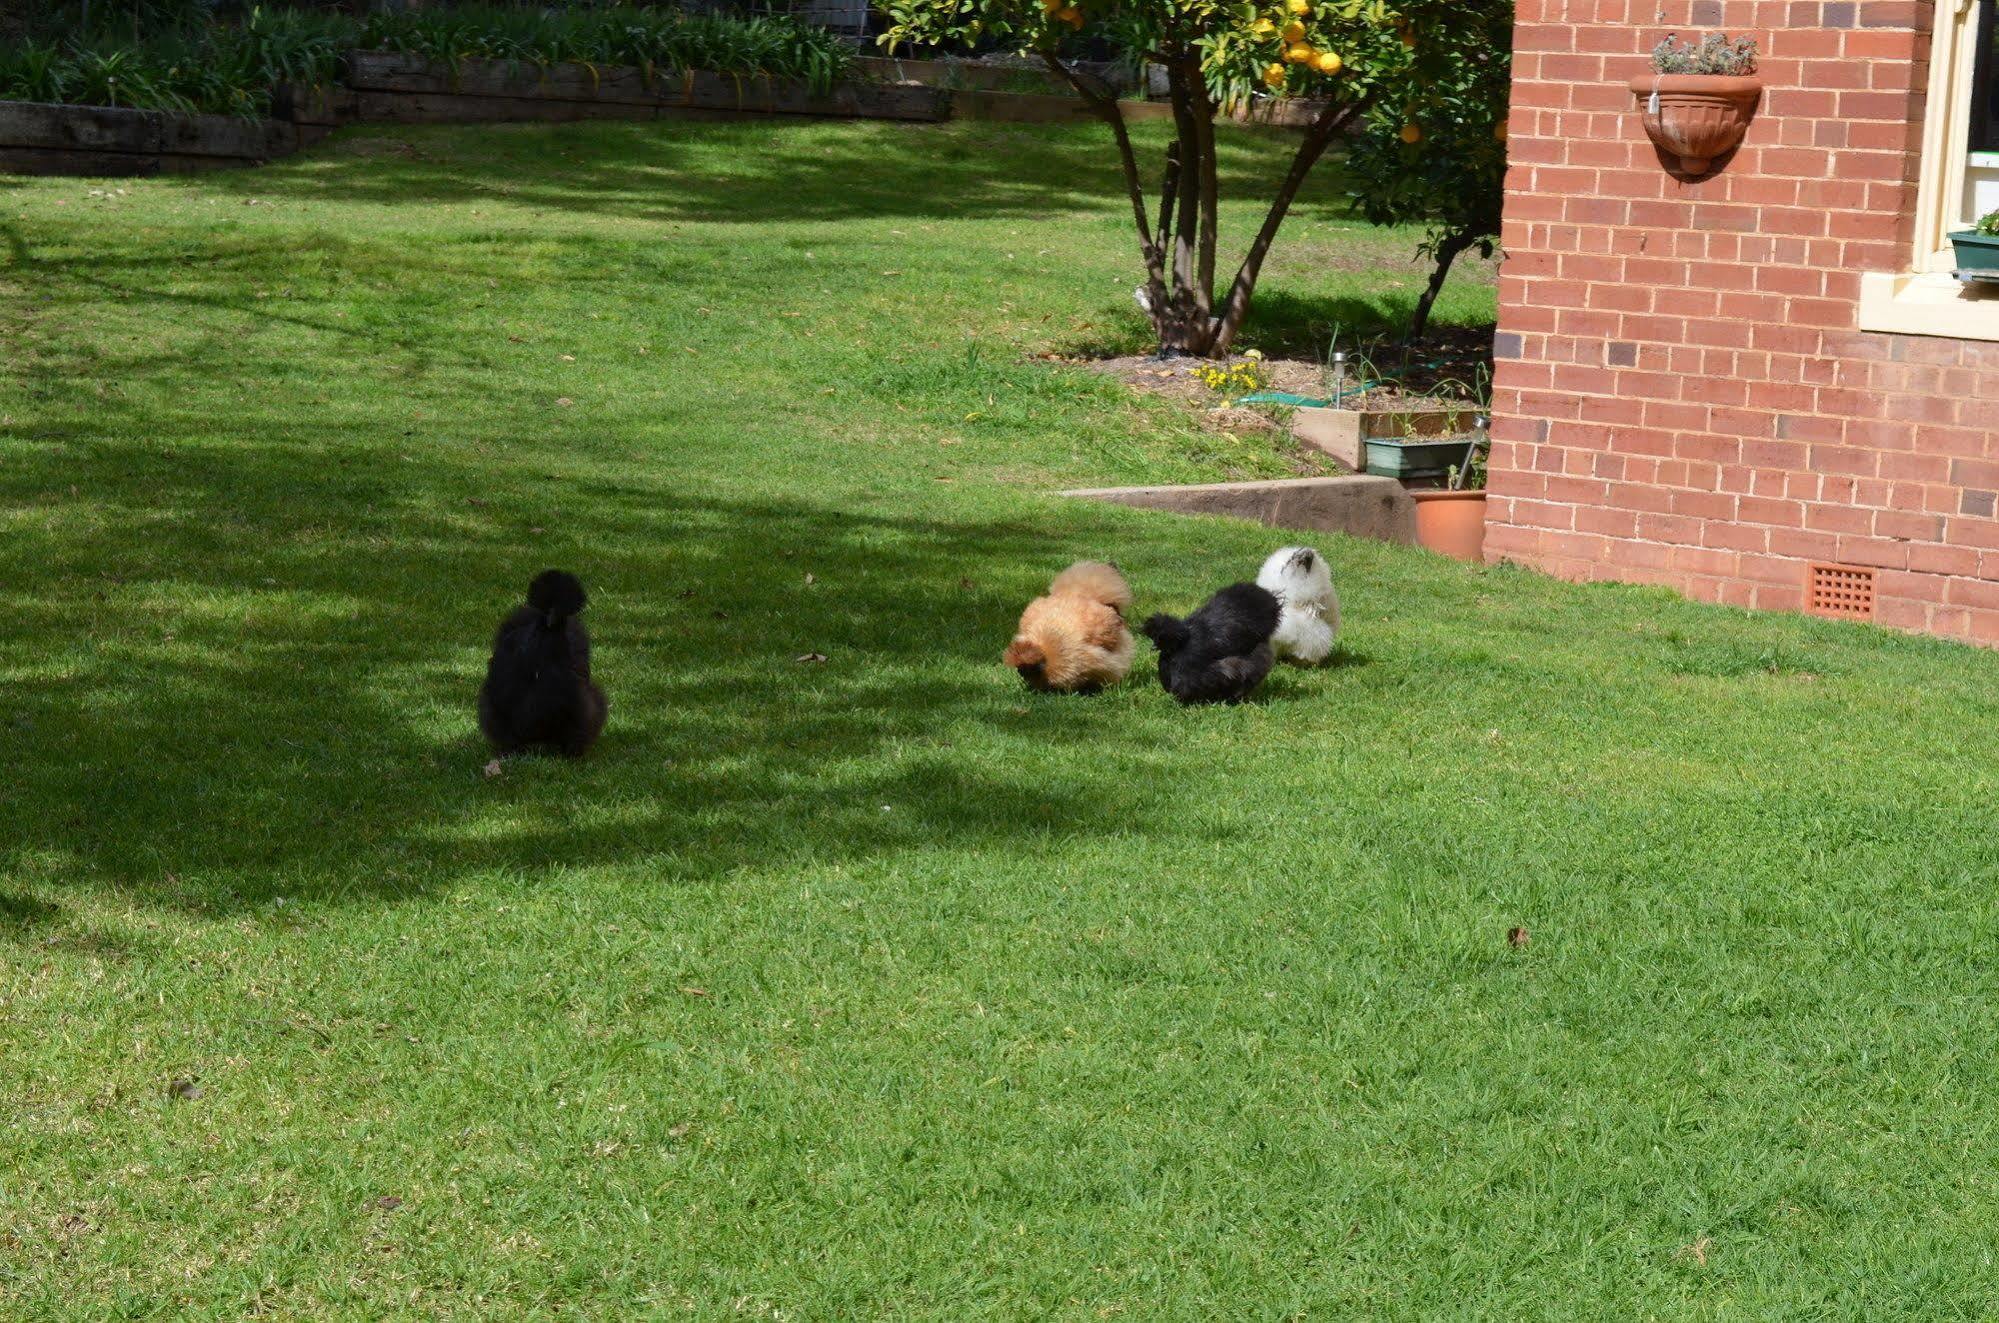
[1180,249]
[1447,252]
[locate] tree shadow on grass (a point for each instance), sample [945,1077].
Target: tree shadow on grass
[264,703]
[822,171]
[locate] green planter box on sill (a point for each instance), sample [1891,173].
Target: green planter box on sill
[1977,255]
[1417,457]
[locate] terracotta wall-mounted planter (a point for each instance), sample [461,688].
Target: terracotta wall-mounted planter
[1696,117]
[1452,523]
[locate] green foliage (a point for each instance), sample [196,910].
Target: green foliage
[653,39]
[1438,157]
[1246,49]
[1988,223]
[231,68]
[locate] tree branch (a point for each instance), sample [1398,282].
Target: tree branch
[1101,100]
[1336,116]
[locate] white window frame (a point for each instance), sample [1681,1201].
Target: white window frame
[1927,298]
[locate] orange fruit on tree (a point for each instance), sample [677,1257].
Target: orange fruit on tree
[1300,8]
[1300,54]
[1499,130]
[1274,76]
[1294,33]
[1329,62]
[1412,132]
[1071,15]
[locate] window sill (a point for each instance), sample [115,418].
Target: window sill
[1934,304]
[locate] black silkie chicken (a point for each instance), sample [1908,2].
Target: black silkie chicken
[1221,653]
[538,692]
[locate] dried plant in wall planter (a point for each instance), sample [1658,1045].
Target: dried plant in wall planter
[1699,98]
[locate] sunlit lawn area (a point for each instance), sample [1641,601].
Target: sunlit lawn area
[879,986]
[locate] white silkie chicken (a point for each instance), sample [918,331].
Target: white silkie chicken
[1310,621]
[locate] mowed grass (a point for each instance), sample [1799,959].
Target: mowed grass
[879,987]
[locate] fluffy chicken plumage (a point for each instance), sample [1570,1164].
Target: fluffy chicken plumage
[1074,638]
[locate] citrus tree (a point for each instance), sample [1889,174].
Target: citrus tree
[1349,56]
[1441,162]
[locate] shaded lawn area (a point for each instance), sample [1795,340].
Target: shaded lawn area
[881,987]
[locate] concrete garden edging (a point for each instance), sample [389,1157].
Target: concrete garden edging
[1359,505]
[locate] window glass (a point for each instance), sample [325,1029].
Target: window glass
[1985,83]
[1981,172]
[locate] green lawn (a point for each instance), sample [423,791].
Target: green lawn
[881,987]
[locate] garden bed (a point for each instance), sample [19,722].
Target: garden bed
[1431,393]
[382,87]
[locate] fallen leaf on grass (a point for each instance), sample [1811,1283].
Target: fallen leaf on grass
[1517,938]
[694,992]
[563,401]
[1696,1251]
[568,358]
[810,579]
[183,1090]
[389,1203]
[810,657]
[965,584]
[680,1131]
[493,768]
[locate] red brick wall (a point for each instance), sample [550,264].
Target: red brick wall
[1681,396]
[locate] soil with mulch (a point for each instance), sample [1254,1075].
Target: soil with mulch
[1447,363]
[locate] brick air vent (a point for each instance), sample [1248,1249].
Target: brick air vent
[1843,592]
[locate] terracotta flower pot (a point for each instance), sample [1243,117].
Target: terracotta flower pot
[1452,523]
[1696,117]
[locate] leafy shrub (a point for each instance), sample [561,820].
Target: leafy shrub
[1715,54]
[231,68]
[1988,224]
[654,40]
